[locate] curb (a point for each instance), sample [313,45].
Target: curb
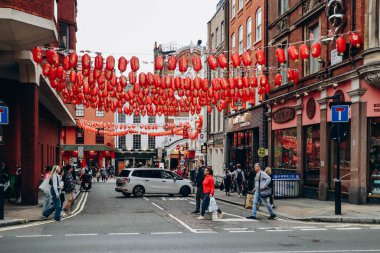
[317,219]
[13,222]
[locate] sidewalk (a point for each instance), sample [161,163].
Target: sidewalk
[313,210]
[19,214]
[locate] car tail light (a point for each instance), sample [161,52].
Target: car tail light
[126,179]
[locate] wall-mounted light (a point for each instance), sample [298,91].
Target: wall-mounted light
[298,95]
[283,101]
[335,85]
[306,93]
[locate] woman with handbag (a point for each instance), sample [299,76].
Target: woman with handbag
[262,192]
[54,182]
[208,192]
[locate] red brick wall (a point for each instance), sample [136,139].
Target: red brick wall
[41,8]
[67,12]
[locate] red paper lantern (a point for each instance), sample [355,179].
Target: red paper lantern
[260,57]
[304,52]
[110,63]
[235,58]
[205,84]
[197,63]
[246,59]
[123,81]
[101,79]
[157,80]
[263,80]
[142,79]
[278,80]
[73,76]
[86,61]
[135,64]
[122,64]
[293,53]
[132,78]
[73,60]
[254,81]
[316,49]
[212,62]
[59,72]
[355,39]
[245,81]
[290,74]
[267,88]
[46,68]
[340,45]
[280,55]
[183,64]
[52,57]
[66,63]
[172,63]
[159,63]
[99,61]
[150,78]
[222,61]
[295,78]
[37,55]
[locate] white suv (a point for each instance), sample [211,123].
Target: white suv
[140,181]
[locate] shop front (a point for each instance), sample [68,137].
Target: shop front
[135,159]
[244,138]
[91,155]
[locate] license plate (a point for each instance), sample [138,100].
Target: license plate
[86,184]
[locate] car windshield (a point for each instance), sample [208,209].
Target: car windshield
[124,173]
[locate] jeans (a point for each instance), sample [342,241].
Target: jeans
[264,201]
[47,203]
[239,187]
[56,207]
[198,198]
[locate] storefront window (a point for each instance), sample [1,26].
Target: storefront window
[345,163]
[374,156]
[312,155]
[285,148]
[241,148]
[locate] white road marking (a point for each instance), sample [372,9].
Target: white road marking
[319,251]
[158,206]
[146,198]
[337,226]
[348,228]
[302,227]
[192,230]
[80,209]
[192,203]
[231,229]
[123,233]
[163,198]
[313,229]
[165,233]
[32,236]
[234,215]
[241,231]
[235,220]
[374,227]
[171,199]
[279,230]
[68,235]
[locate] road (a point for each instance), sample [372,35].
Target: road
[106,221]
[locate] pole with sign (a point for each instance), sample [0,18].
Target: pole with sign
[4,120]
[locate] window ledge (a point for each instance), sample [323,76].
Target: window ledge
[240,13]
[248,4]
[257,42]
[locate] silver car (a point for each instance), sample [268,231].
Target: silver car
[140,181]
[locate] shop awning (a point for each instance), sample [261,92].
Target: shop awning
[98,147]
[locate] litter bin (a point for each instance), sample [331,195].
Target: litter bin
[286,185]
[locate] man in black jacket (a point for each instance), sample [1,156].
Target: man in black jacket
[199,176]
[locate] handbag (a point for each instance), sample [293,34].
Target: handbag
[248,201]
[266,192]
[45,186]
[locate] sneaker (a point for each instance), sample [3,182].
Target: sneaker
[201,218]
[63,214]
[44,217]
[220,215]
[272,217]
[195,212]
[251,217]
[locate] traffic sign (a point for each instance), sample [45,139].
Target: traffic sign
[4,115]
[339,113]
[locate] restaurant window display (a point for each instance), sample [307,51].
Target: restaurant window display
[374,156]
[241,148]
[312,147]
[285,148]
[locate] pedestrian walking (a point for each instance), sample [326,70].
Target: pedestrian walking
[61,175]
[239,179]
[268,170]
[227,181]
[69,186]
[103,172]
[54,191]
[262,192]
[208,189]
[47,202]
[98,175]
[199,176]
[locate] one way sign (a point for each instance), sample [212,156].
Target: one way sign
[339,113]
[4,115]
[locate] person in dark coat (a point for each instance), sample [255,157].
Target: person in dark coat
[199,176]
[227,181]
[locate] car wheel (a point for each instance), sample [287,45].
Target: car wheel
[126,194]
[138,191]
[185,191]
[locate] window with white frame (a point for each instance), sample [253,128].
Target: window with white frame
[99,114]
[240,4]
[312,66]
[79,110]
[283,6]
[64,35]
[222,31]
[122,142]
[258,24]
[249,32]
[136,119]
[284,68]
[233,9]
[151,142]
[136,141]
[240,39]
[151,119]
[216,38]
[121,118]
[233,41]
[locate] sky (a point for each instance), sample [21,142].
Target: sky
[125,27]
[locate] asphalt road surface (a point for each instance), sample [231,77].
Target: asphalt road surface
[106,221]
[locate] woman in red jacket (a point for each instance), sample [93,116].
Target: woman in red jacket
[208,191]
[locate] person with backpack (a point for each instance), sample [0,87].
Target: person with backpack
[227,180]
[239,179]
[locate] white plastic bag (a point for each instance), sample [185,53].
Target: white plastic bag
[212,207]
[45,186]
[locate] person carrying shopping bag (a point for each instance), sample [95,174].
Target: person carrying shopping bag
[262,192]
[54,182]
[208,192]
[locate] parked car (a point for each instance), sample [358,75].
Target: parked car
[140,181]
